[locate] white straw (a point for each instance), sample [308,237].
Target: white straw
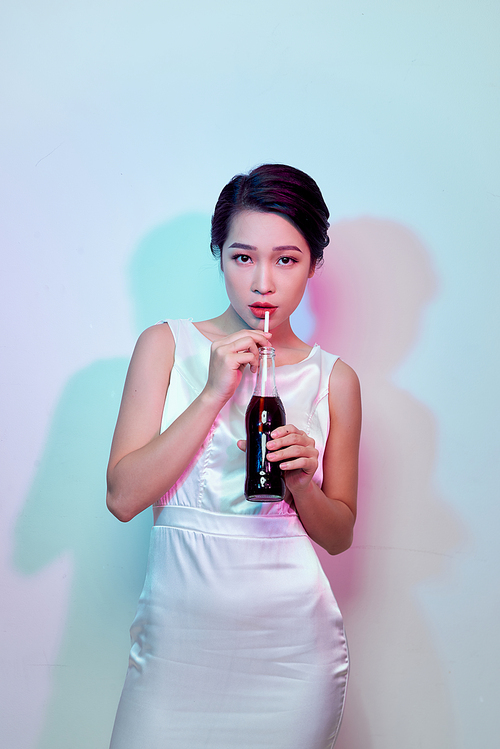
[266,321]
[263,378]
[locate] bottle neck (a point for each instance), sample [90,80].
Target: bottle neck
[266,383]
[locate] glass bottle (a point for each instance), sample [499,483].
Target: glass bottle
[265,412]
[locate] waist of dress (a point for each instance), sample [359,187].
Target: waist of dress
[204,521]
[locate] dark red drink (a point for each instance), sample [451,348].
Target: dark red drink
[264,480]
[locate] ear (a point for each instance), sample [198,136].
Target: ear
[312,269]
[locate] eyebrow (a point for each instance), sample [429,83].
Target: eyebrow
[280,248]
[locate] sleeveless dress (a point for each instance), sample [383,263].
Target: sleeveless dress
[238,642]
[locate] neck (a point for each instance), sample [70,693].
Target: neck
[289,348]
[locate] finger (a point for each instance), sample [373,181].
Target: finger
[294,451]
[257,337]
[240,359]
[242,346]
[284,430]
[302,464]
[292,439]
[242,444]
[295,438]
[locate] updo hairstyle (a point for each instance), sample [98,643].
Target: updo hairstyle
[274,188]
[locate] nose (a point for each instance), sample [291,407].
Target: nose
[262,281]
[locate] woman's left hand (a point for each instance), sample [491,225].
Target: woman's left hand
[297,455]
[295,452]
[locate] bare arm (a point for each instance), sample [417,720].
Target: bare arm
[327,513]
[143,463]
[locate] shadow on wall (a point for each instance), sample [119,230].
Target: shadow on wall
[367,302]
[65,508]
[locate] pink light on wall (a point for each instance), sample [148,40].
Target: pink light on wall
[367,303]
[368,297]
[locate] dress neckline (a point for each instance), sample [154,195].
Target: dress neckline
[311,353]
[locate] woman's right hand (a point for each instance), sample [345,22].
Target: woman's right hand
[228,358]
[145,462]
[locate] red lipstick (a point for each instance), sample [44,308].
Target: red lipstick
[259,309]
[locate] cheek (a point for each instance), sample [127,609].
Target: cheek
[302,279]
[232,283]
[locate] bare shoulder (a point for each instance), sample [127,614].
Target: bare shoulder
[345,391]
[343,376]
[152,361]
[158,339]
[154,350]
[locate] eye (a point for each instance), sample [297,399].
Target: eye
[242,259]
[286,260]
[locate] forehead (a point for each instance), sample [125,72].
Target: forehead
[259,228]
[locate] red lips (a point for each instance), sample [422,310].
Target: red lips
[259,310]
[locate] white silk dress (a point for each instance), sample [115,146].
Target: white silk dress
[238,642]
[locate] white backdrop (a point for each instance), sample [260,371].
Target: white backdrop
[121,121]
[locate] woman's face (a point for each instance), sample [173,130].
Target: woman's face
[266,263]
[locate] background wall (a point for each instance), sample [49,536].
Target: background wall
[121,123]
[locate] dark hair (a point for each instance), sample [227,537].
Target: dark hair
[274,188]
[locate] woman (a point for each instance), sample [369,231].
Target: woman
[238,640]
